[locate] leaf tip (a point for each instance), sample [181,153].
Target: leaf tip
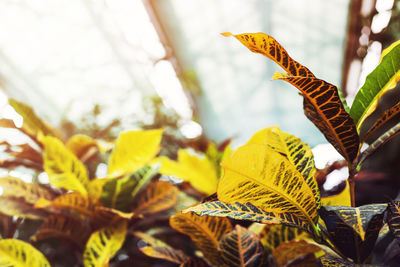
[226,34]
[279,75]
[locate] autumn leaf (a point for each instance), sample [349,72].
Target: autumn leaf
[17,253]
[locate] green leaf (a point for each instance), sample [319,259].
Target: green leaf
[119,193]
[241,248]
[17,253]
[354,230]
[104,244]
[201,173]
[133,150]
[64,169]
[205,232]
[382,79]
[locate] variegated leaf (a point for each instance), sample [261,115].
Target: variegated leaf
[259,175]
[64,169]
[80,144]
[298,153]
[156,197]
[300,252]
[247,212]
[331,261]
[354,230]
[18,206]
[60,226]
[322,105]
[104,244]
[17,253]
[118,193]
[273,235]
[166,253]
[241,248]
[205,232]
[393,218]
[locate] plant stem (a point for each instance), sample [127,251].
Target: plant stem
[352,172]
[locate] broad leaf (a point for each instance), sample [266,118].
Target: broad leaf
[354,230]
[95,187]
[393,219]
[273,235]
[133,150]
[104,244]
[32,123]
[205,232]
[241,248]
[382,79]
[17,253]
[301,252]
[166,253]
[156,197]
[298,153]
[259,175]
[80,144]
[59,226]
[199,172]
[18,206]
[15,187]
[341,199]
[385,117]
[331,118]
[322,105]
[118,193]
[63,167]
[247,212]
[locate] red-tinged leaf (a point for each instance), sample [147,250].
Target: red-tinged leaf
[28,153]
[59,226]
[166,253]
[156,197]
[393,218]
[195,262]
[322,105]
[17,206]
[8,225]
[241,248]
[385,117]
[296,251]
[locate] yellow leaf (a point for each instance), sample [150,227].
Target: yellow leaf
[80,144]
[298,153]
[156,197]
[95,187]
[259,175]
[292,250]
[205,232]
[63,167]
[341,199]
[199,172]
[17,253]
[104,244]
[18,206]
[274,235]
[133,150]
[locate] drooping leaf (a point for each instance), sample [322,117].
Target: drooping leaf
[247,212]
[393,219]
[150,240]
[392,132]
[341,199]
[118,193]
[166,253]
[103,244]
[60,226]
[273,235]
[385,117]
[266,45]
[15,187]
[26,152]
[80,144]
[18,206]
[241,248]
[156,197]
[199,172]
[17,253]
[382,79]
[324,108]
[63,167]
[32,123]
[259,175]
[298,153]
[133,150]
[205,232]
[194,262]
[289,252]
[354,230]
